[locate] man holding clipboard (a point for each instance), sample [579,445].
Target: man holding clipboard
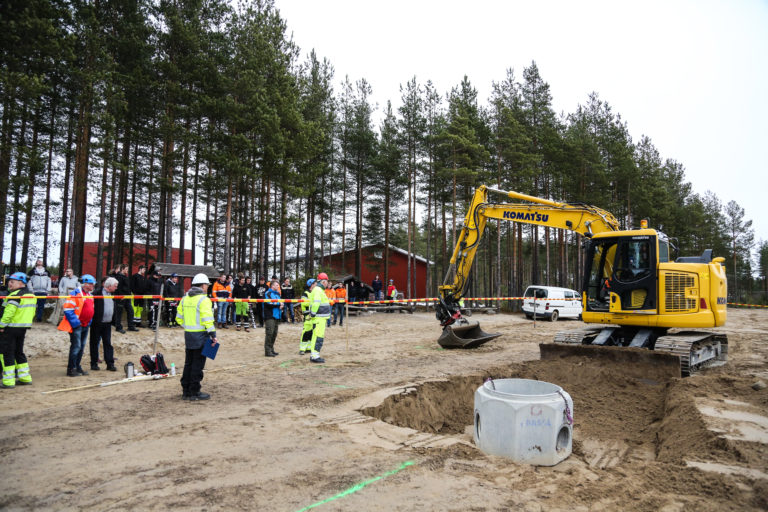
[195,314]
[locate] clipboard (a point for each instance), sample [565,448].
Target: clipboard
[210,350]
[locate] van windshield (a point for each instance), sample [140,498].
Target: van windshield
[539,293]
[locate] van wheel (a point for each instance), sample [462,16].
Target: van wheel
[554,317]
[528,316]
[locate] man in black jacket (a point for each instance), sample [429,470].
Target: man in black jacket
[101,325]
[241,291]
[123,288]
[288,293]
[139,286]
[261,290]
[172,290]
[154,285]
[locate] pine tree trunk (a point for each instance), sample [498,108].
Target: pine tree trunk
[6,148]
[29,207]
[46,222]
[17,188]
[64,249]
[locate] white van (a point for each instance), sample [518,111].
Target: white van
[551,302]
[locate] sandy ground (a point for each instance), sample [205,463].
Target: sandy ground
[283,434]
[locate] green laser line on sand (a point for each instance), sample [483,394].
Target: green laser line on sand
[359,486]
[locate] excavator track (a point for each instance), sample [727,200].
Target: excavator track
[683,353]
[696,350]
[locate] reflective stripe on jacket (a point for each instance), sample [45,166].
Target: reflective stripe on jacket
[18,312]
[73,304]
[195,313]
[319,304]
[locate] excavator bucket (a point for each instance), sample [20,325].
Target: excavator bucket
[636,362]
[464,335]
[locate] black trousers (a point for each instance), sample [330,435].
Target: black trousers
[194,362]
[12,345]
[120,306]
[101,332]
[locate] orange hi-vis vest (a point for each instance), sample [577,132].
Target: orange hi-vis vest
[331,295]
[73,302]
[341,293]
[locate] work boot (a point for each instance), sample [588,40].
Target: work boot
[81,371]
[199,396]
[237,328]
[185,395]
[95,367]
[316,360]
[245,329]
[71,372]
[111,368]
[121,330]
[132,329]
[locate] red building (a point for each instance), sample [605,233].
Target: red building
[140,254]
[373,263]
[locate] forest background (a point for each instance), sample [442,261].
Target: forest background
[200,124]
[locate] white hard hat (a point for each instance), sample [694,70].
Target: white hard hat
[201,279]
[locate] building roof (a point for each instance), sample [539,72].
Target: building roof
[167,269]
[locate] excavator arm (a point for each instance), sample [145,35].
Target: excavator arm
[585,219]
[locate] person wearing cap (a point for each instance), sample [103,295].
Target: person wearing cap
[320,311]
[171,290]
[195,313]
[287,293]
[78,313]
[18,314]
[306,332]
[222,289]
[139,286]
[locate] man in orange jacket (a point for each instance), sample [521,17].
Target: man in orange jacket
[340,294]
[332,298]
[78,313]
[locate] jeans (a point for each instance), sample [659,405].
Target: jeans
[288,310]
[40,306]
[222,315]
[378,295]
[76,346]
[338,312]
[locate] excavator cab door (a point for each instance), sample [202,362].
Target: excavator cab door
[622,274]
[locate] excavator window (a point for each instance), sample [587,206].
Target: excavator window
[625,267]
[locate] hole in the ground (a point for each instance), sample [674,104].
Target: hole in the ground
[616,405]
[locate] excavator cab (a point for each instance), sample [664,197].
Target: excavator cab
[622,274]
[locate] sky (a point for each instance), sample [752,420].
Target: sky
[690,75]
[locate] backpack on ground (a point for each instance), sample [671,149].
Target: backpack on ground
[154,364]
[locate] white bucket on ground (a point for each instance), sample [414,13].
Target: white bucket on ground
[528,421]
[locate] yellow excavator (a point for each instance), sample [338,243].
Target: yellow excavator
[631,290]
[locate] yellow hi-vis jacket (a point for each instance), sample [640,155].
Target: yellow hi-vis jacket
[18,312]
[195,312]
[319,304]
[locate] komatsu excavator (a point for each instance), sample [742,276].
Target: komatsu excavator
[631,291]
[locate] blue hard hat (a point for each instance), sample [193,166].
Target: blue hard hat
[88,279]
[310,282]
[19,276]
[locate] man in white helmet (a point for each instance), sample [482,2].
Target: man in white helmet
[195,314]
